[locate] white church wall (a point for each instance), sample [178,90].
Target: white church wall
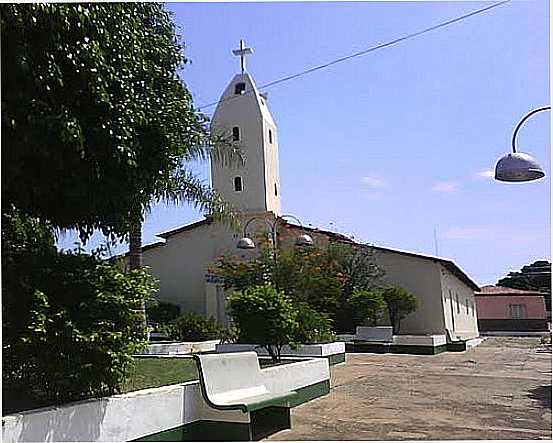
[182,264]
[421,277]
[459,306]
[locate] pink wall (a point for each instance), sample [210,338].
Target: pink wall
[497,306]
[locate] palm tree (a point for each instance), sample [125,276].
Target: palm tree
[184,186]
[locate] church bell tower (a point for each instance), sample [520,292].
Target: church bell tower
[242,115]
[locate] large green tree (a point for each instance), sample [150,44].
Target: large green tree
[96,124]
[533,277]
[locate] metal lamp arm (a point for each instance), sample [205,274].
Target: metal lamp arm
[257,218]
[287,215]
[526,117]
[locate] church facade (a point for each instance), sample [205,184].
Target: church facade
[182,259]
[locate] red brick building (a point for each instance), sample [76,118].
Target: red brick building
[507,309]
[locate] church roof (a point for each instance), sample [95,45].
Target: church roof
[448,264]
[341,238]
[185,228]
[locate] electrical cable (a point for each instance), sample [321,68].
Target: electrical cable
[365,51]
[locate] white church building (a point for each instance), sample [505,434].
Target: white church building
[182,259]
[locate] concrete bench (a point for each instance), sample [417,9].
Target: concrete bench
[234,381]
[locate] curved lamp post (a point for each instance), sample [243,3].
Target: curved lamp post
[519,166]
[247,243]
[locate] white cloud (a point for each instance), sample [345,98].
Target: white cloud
[445,187]
[374,182]
[487,173]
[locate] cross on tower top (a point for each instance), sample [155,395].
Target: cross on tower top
[242,52]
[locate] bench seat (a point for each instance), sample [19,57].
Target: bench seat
[235,381]
[260,401]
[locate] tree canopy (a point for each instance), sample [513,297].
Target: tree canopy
[95,121]
[532,277]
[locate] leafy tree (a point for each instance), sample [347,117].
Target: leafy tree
[69,319]
[324,278]
[399,303]
[532,277]
[264,316]
[369,304]
[96,124]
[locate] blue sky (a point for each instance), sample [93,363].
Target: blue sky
[390,146]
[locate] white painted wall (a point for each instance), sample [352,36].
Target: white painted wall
[421,277]
[182,262]
[461,321]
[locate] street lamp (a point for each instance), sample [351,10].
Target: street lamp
[247,243]
[519,166]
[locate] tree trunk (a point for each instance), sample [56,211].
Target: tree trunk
[135,247]
[135,262]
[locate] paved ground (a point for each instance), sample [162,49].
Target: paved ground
[498,390]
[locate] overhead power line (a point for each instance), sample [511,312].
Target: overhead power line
[365,51]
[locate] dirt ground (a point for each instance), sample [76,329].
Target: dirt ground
[499,390]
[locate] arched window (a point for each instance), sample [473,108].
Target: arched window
[235,134]
[270,136]
[238,184]
[276,191]
[239,88]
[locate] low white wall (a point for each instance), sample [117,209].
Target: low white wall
[289,377]
[316,350]
[181,347]
[420,340]
[137,414]
[377,333]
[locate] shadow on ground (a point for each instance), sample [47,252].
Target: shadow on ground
[541,394]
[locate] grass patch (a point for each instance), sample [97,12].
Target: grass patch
[156,372]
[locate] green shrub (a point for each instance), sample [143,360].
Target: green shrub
[313,326]
[194,327]
[400,303]
[71,321]
[160,313]
[264,316]
[369,305]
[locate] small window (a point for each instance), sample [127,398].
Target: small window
[458,305]
[239,88]
[235,134]
[238,184]
[467,306]
[276,191]
[270,136]
[518,311]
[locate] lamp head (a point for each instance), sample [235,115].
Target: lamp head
[304,240]
[245,243]
[518,167]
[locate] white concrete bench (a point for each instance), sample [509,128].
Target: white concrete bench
[234,381]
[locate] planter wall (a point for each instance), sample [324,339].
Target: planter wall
[167,413]
[334,352]
[420,340]
[177,348]
[377,333]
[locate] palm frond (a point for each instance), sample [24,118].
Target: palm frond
[186,187]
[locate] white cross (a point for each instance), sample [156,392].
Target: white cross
[242,52]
